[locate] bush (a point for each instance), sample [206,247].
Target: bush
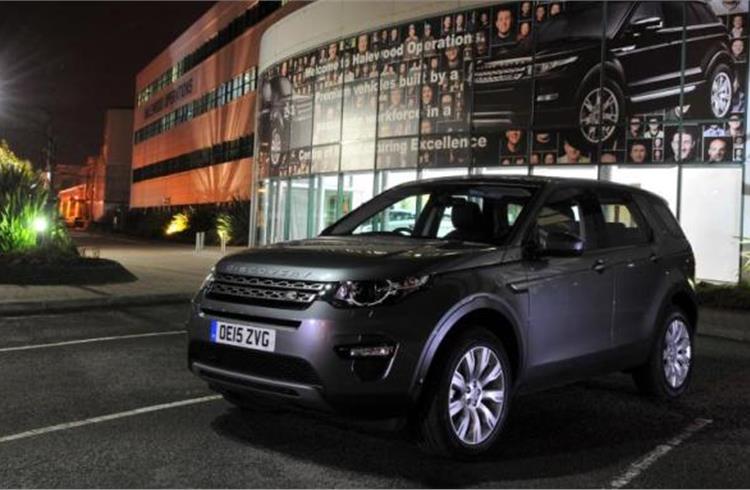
[185,221]
[730,297]
[23,199]
[234,221]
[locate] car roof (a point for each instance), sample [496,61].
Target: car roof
[529,181]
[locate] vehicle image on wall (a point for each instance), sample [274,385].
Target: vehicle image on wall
[536,282]
[641,70]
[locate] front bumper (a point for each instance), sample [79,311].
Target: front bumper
[510,103]
[306,369]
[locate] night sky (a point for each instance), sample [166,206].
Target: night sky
[75,60]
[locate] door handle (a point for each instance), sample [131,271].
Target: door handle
[599,266]
[654,258]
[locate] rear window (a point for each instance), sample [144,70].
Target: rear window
[667,219]
[624,224]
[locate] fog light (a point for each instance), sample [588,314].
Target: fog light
[367,351]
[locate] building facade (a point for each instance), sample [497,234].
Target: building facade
[356,97]
[193,126]
[651,94]
[99,189]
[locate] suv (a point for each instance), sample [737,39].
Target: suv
[642,50]
[496,286]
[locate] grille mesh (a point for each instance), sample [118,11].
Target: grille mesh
[263,291]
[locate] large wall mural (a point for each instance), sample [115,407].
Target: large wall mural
[539,83]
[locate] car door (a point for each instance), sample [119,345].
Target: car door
[628,242]
[649,47]
[570,298]
[705,35]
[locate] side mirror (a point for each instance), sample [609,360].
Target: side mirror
[559,244]
[646,24]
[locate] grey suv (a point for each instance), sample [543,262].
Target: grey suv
[496,286]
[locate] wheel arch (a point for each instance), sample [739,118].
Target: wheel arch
[480,310]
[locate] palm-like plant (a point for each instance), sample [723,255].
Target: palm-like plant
[23,198]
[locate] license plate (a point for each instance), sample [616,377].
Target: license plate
[243,336]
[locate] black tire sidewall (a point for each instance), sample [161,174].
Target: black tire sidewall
[439,404]
[657,364]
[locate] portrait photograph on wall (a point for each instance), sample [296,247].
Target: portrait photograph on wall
[504,85]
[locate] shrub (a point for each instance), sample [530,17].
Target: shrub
[23,199]
[234,220]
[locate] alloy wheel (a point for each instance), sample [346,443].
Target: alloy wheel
[599,114]
[275,147]
[677,353]
[721,94]
[477,395]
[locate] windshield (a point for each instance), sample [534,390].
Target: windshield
[470,213]
[583,20]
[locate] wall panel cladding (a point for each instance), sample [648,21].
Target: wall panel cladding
[517,83]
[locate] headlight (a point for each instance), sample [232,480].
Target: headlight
[373,293]
[547,66]
[208,280]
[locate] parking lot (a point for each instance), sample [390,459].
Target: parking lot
[103,398]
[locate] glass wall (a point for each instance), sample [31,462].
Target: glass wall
[634,92]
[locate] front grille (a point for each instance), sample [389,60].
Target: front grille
[264,291]
[254,363]
[501,71]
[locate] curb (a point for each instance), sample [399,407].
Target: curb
[23,308]
[725,324]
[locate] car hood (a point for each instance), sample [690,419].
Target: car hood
[552,49]
[358,258]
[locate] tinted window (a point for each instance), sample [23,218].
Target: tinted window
[564,212]
[582,20]
[673,14]
[623,222]
[667,219]
[646,10]
[698,13]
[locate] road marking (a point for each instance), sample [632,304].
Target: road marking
[95,339]
[657,453]
[107,418]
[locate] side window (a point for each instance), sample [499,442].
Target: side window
[699,14]
[623,223]
[565,212]
[646,10]
[674,15]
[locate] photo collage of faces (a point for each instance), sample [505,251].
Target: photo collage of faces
[403,97]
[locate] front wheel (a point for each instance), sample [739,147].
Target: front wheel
[468,398]
[669,369]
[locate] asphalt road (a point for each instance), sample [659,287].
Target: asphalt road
[600,433]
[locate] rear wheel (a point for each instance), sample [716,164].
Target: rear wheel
[669,368]
[714,100]
[467,399]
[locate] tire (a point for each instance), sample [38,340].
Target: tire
[588,135]
[446,435]
[714,101]
[652,378]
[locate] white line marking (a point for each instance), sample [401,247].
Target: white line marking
[96,339]
[106,418]
[658,452]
